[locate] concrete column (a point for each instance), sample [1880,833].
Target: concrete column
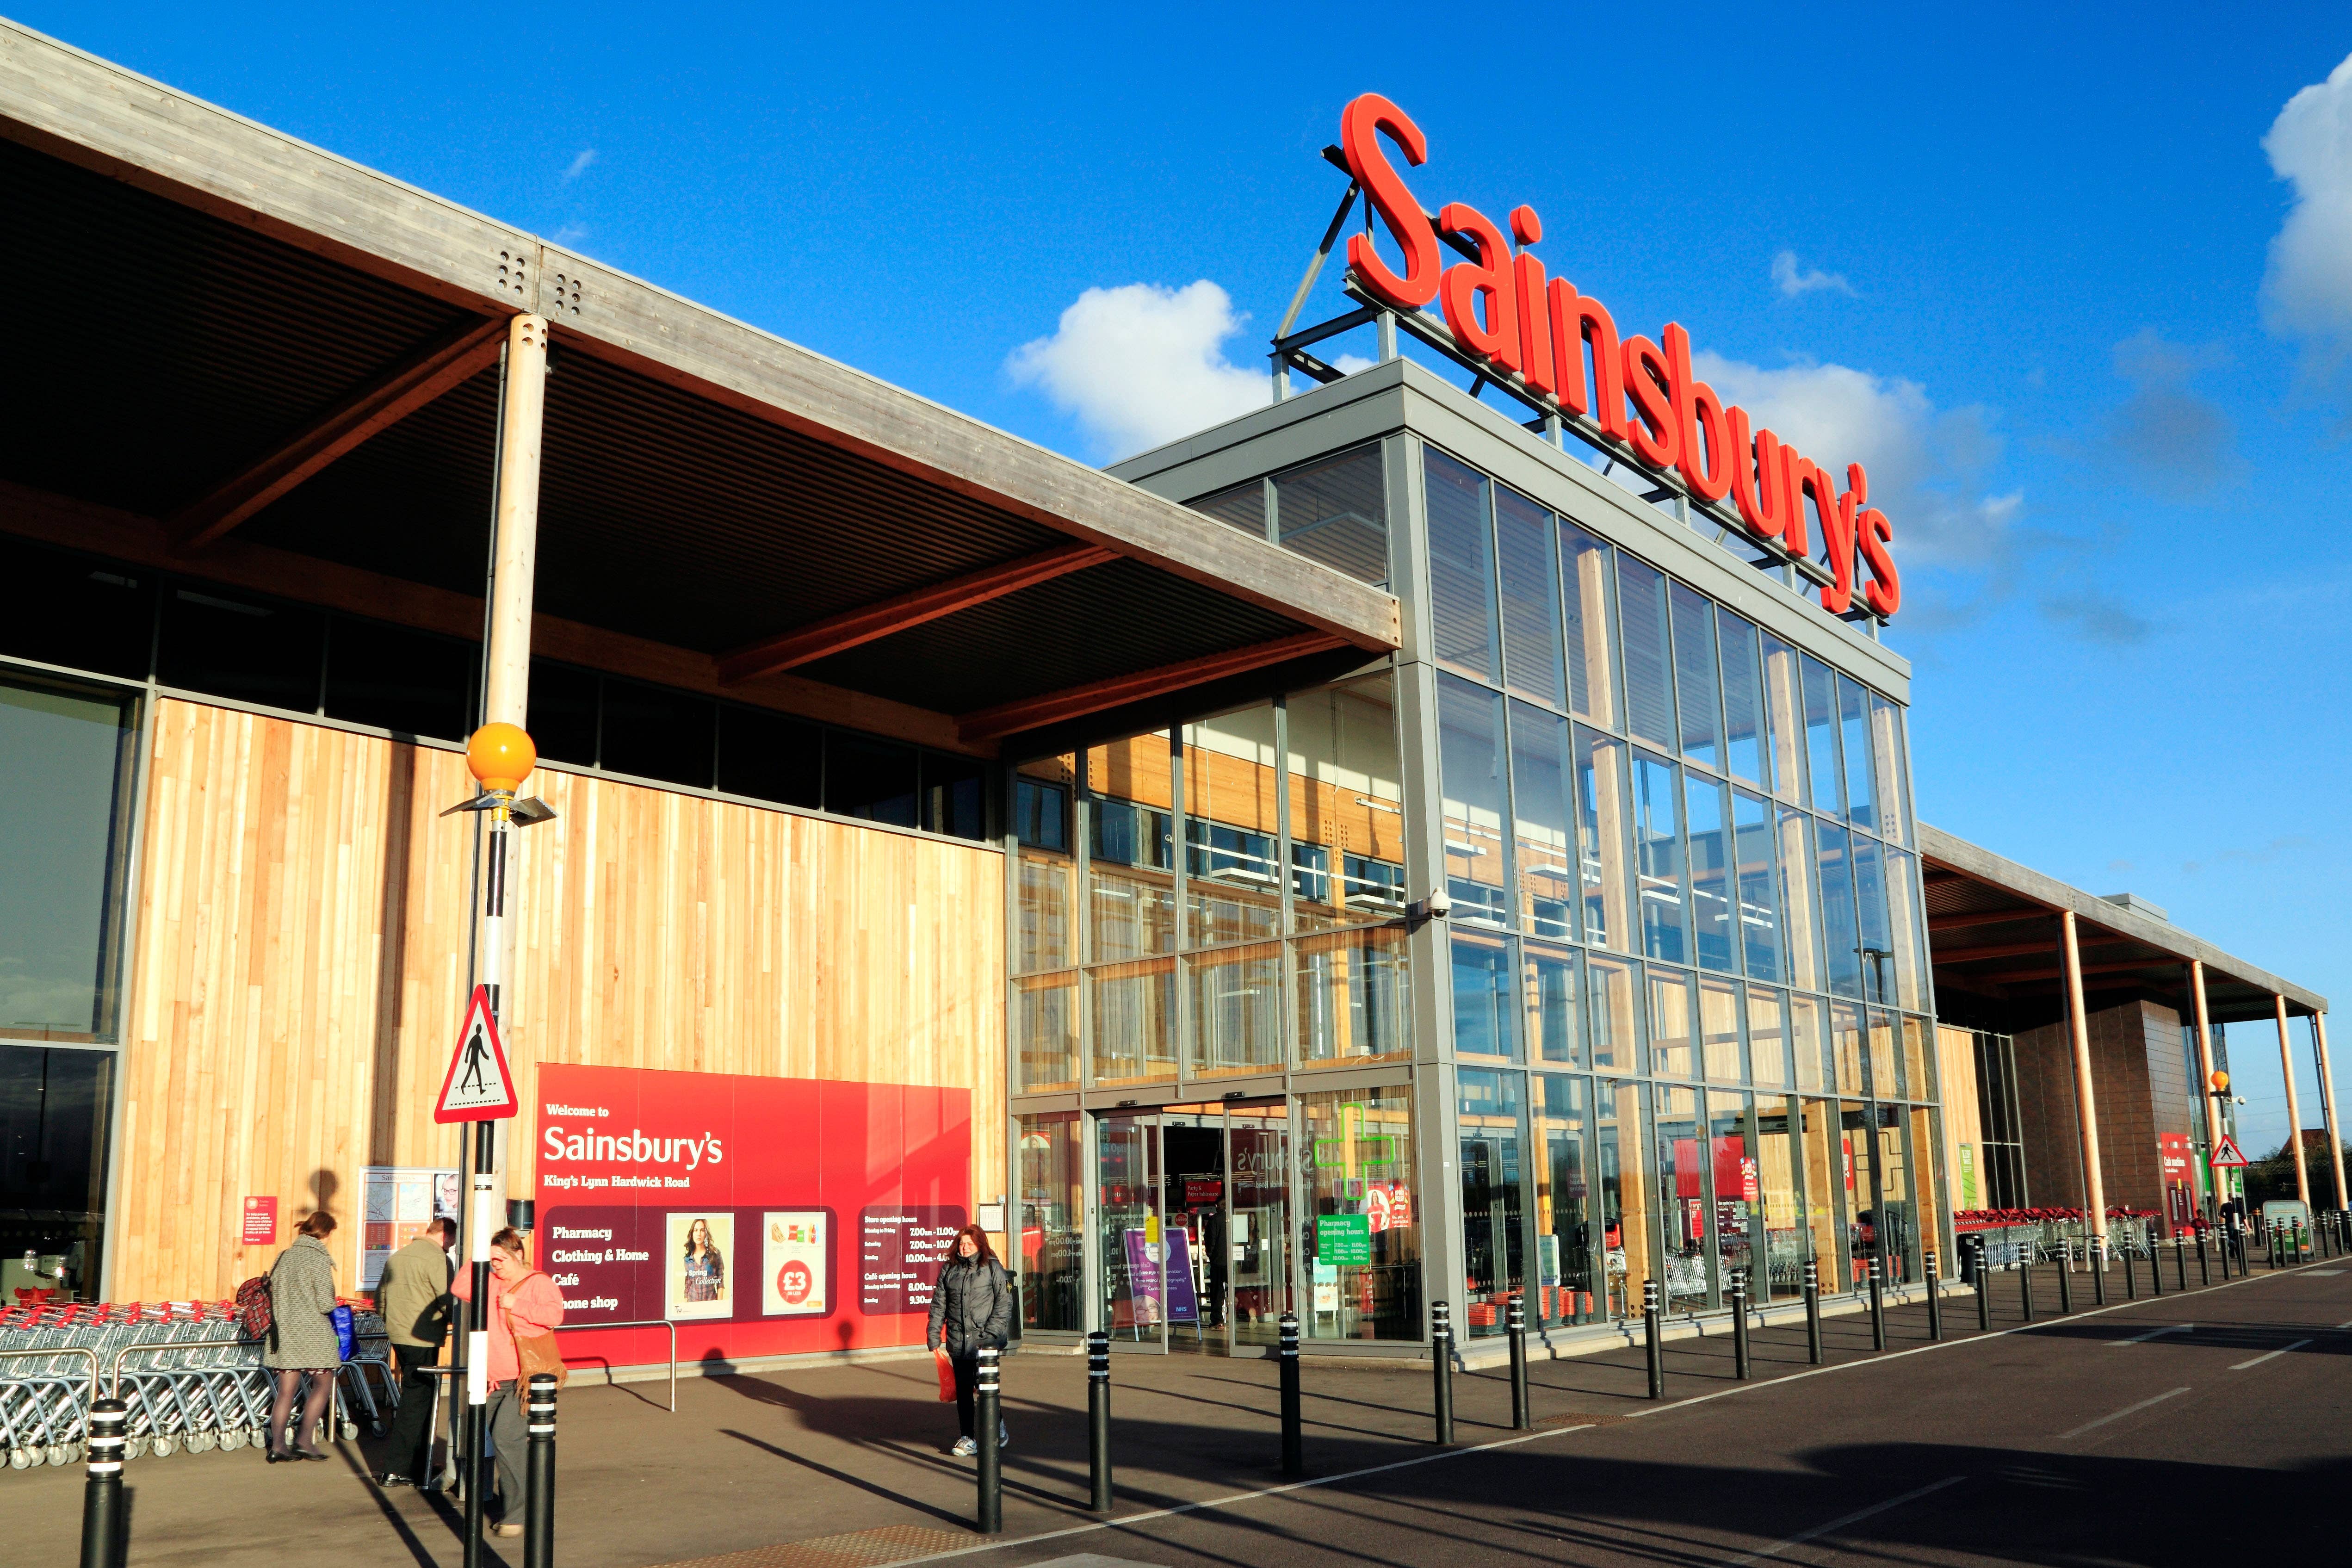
[2086,1108]
[2327,1107]
[2294,1106]
[520,422]
[2212,1117]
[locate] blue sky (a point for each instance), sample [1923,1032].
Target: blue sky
[2036,275]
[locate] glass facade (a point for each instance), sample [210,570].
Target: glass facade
[1681,984]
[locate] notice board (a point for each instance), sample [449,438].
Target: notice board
[762,1215]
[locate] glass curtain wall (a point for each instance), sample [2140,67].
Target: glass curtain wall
[1678,849]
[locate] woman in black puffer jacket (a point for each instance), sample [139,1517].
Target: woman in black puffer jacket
[971,1308]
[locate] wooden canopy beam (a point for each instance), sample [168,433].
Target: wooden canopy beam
[369,412]
[2016,976]
[805,645]
[1963,918]
[2014,949]
[1076,702]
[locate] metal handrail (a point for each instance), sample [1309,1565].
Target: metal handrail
[643,1324]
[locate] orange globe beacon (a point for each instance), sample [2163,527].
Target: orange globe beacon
[2219,1081]
[501,756]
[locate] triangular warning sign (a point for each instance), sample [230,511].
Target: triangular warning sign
[479,1087]
[2226,1153]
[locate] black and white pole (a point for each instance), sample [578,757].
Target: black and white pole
[1657,1350]
[1293,1440]
[1984,1285]
[2180,1260]
[1739,1363]
[985,1416]
[2155,1260]
[1515,1316]
[482,1218]
[1099,1407]
[539,1484]
[2065,1276]
[1813,1311]
[102,1541]
[2094,1251]
[1441,1361]
[2204,1268]
[1935,1298]
[2025,1279]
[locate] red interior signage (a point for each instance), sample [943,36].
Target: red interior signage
[1641,396]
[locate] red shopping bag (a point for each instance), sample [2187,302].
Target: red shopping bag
[947,1375]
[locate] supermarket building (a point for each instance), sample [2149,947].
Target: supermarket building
[1360,856]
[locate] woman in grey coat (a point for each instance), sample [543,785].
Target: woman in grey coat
[302,1335]
[972,1310]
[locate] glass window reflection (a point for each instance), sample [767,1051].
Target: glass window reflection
[1543,821]
[1658,849]
[1841,941]
[1823,766]
[1461,569]
[1757,886]
[1585,578]
[1347,804]
[1714,928]
[1697,686]
[1336,512]
[1485,1011]
[1551,1004]
[1530,597]
[1649,672]
[1861,780]
[1470,767]
[1746,748]
[1230,826]
[1604,829]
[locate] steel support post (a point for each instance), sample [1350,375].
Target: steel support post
[1098,1406]
[984,1418]
[2293,1108]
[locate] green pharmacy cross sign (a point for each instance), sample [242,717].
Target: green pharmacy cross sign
[1355,1152]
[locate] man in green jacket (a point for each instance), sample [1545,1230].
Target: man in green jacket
[412,1297]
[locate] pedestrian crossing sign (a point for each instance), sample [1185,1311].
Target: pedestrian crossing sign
[479,1087]
[2226,1154]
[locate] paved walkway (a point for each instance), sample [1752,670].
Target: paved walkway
[847,1466]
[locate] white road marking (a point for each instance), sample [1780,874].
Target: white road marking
[2118,1416]
[1854,1518]
[2260,1359]
[2153,1334]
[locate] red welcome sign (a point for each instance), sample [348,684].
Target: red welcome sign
[1642,400]
[762,1215]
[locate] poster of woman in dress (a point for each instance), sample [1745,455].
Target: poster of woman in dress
[696,1275]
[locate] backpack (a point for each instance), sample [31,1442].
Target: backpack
[253,1313]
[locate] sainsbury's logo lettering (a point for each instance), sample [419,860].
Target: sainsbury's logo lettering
[630,1148]
[1644,398]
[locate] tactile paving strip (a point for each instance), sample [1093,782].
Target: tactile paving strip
[858,1549]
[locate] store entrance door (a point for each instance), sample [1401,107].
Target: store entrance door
[1194,1206]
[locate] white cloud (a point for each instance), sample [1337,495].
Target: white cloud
[1792,282]
[2307,292]
[579,165]
[1926,465]
[1142,365]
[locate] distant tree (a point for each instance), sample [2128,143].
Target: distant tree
[2273,1175]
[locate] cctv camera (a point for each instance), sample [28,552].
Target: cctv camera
[1440,904]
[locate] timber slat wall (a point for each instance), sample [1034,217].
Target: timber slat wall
[300,970]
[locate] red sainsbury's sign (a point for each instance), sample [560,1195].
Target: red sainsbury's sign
[1640,397]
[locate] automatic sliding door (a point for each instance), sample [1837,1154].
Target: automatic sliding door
[1257,1223]
[1197,1259]
[1134,1281]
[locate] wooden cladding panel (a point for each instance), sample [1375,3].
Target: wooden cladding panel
[300,970]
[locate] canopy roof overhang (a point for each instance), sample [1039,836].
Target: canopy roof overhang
[239,356]
[1994,937]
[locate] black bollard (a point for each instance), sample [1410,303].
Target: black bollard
[1984,1287]
[1739,1362]
[984,1418]
[1293,1440]
[2154,1263]
[2131,1276]
[538,1476]
[1877,1304]
[2204,1268]
[1441,1369]
[2095,1259]
[2025,1280]
[2179,1261]
[1657,1350]
[1516,1320]
[2270,1247]
[2066,1277]
[1934,1299]
[1099,1406]
[102,1543]
[1813,1311]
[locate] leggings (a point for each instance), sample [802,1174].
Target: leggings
[281,1405]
